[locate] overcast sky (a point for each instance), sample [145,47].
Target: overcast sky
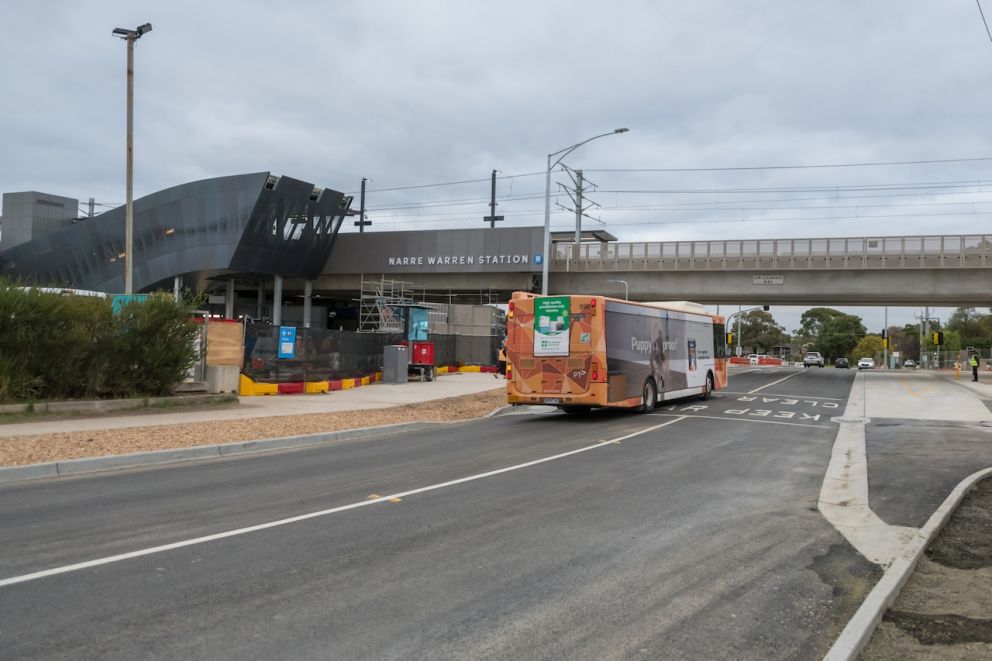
[426,93]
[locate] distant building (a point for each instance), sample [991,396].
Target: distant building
[30,215]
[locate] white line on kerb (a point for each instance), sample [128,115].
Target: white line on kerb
[312,515]
[751,392]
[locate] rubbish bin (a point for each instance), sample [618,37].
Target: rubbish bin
[395,358]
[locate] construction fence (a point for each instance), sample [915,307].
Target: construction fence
[332,354]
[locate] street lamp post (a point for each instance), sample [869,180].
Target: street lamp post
[737,317]
[626,289]
[130,36]
[546,257]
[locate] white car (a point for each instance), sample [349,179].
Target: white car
[812,358]
[866,364]
[909,364]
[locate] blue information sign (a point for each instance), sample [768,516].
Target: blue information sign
[118,301]
[287,341]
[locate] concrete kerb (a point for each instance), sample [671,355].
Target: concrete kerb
[98,406]
[862,625]
[140,459]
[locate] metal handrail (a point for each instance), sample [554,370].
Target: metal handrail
[865,252]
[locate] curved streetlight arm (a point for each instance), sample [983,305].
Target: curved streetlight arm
[546,257]
[568,150]
[739,314]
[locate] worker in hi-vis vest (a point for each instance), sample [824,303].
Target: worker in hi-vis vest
[974,366]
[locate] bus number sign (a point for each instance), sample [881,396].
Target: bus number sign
[551,325]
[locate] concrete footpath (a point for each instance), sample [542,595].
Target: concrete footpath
[373,396]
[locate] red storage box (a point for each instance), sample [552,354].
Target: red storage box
[422,353]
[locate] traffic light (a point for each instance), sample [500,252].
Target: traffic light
[885,342]
[765,308]
[938,338]
[730,339]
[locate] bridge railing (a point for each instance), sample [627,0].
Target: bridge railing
[883,252]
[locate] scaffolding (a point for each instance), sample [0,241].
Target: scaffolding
[379,305]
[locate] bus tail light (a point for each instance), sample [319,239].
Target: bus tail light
[594,372]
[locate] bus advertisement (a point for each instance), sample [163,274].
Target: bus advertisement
[579,352]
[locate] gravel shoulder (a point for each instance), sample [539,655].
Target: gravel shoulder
[22,450]
[945,609]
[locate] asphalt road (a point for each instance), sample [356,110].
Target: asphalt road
[689,533]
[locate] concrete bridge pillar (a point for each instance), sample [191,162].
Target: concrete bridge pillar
[260,302]
[277,300]
[229,295]
[307,294]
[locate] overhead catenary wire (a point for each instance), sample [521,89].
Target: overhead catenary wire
[984,22]
[698,169]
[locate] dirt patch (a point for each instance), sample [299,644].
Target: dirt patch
[945,609]
[942,629]
[20,450]
[966,541]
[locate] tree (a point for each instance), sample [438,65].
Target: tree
[972,327]
[759,331]
[900,341]
[869,346]
[812,322]
[909,347]
[839,335]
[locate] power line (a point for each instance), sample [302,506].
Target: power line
[801,167]
[802,218]
[926,186]
[451,183]
[803,189]
[712,169]
[984,22]
[420,221]
[681,209]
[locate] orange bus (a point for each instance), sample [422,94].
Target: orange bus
[579,352]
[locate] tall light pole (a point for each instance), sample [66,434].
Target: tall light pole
[130,36]
[546,258]
[737,316]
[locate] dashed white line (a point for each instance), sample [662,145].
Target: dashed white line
[65,569]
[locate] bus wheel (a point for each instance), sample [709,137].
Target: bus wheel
[650,397]
[708,388]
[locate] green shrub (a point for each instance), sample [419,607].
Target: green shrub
[154,346]
[70,347]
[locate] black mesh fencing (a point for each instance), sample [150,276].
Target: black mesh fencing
[331,354]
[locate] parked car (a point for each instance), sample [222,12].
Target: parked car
[866,364]
[812,358]
[909,364]
[842,363]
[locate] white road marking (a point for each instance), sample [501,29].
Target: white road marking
[717,417]
[65,569]
[773,394]
[844,494]
[751,392]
